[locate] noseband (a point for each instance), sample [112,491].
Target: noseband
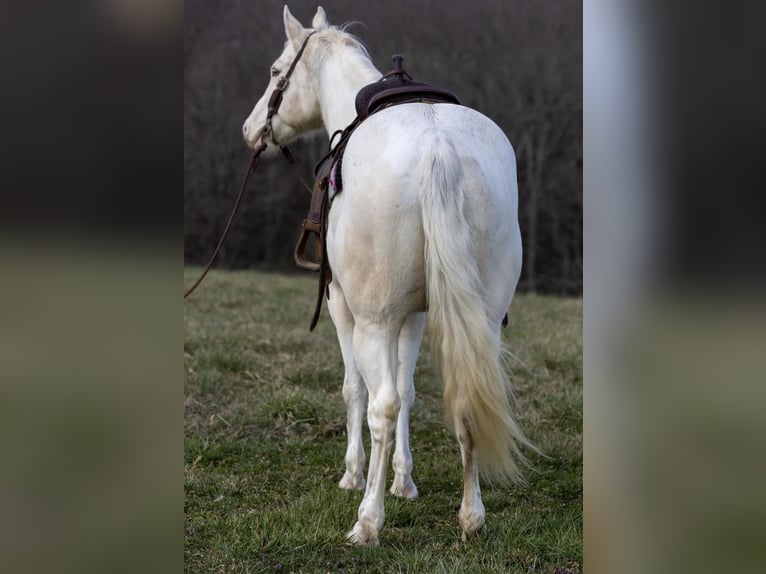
[276,96]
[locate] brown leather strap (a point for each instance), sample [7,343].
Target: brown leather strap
[295,166]
[325,275]
[250,168]
[276,96]
[313,224]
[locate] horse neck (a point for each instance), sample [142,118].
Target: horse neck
[342,74]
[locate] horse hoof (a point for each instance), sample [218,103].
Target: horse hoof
[472,524]
[362,536]
[350,482]
[474,534]
[404,488]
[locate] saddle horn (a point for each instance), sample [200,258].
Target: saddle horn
[398,61]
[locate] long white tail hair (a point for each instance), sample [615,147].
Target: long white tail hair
[468,351]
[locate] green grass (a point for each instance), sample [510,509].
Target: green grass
[265,440]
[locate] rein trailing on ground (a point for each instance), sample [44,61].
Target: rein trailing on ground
[274,102]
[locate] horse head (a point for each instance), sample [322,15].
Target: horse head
[293,74]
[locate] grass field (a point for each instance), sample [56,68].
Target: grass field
[265,439]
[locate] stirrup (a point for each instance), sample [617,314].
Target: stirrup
[300,249]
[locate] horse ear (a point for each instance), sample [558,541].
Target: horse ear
[293,28]
[320,19]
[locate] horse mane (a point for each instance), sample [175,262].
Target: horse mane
[338,37]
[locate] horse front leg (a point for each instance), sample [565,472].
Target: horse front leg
[375,349]
[409,345]
[354,391]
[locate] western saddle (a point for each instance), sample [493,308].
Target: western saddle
[396,87]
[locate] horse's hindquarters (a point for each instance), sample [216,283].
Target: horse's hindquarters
[376,242]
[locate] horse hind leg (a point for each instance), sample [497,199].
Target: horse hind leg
[472,512]
[409,345]
[375,349]
[354,391]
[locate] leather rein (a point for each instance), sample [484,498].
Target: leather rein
[274,102]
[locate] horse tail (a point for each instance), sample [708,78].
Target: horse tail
[468,349]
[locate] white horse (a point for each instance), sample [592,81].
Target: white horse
[427,221]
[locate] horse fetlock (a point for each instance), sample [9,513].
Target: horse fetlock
[404,487]
[471,517]
[370,518]
[363,534]
[352,481]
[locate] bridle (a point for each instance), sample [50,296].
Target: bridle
[275,100]
[276,96]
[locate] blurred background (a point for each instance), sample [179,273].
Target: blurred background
[516,61]
[674,306]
